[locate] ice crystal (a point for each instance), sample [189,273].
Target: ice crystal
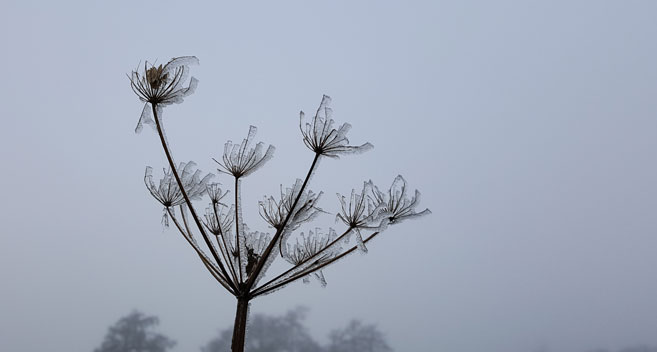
[319,275]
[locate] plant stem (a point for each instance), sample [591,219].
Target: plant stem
[239,328]
[225,252]
[237,227]
[184,193]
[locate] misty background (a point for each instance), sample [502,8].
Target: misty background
[529,127]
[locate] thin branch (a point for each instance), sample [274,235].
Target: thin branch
[297,266]
[225,253]
[191,238]
[237,228]
[213,271]
[303,273]
[184,193]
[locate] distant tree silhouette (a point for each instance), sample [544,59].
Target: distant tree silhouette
[288,334]
[132,333]
[637,348]
[641,348]
[357,337]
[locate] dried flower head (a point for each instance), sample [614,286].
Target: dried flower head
[320,136]
[310,246]
[315,249]
[360,213]
[242,159]
[217,220]
[216,194]
[274,211]
[169,194]
[162,85]
[396,203]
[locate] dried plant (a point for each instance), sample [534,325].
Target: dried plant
[236,257]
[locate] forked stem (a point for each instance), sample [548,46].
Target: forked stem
[279,232]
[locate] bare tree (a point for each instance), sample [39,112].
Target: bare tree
[640,348]
[288,334]
[238,258]
[132,333]
[636,348]
[358,337]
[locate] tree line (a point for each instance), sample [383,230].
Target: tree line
[136,332]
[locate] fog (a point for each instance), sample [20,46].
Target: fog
[529,127]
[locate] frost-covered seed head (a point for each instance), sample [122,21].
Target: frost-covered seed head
[169,194]
[156,77]
[217,220]
[167,191]
[320,136]
[359,212]
[310,245]
[242,159]
[396,203]
[274,211]
[162,85]
[215,193]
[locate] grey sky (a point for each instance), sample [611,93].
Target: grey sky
[530,128]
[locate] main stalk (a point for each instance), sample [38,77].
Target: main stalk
[239,329]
